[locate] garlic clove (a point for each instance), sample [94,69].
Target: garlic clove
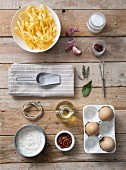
[76,51]
[69,47]
[71,40]
[70,31]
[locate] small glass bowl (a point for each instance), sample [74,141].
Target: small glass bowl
[96,53]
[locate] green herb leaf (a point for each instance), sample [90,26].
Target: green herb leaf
[83,71]
[86,89]
[19,6]
[87,72]
[80,77]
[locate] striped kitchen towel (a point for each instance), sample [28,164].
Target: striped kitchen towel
[31,88]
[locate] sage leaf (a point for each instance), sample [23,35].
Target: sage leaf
[86,89]
[83,72]
[80,77]
[87,72]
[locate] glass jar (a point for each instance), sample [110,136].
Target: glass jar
[96,22]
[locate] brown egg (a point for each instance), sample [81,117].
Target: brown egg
[107,144]
[106,113]
[92,128]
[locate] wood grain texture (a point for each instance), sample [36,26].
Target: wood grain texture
[67,4]
[114,74]
[65,166]
[10,52]
[52,154]
[76,14]
[116,22]
[12,119]
[115,96]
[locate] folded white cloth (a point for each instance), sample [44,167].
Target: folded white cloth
[31,88]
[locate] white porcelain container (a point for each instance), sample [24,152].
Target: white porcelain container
[107,129]
[72,144]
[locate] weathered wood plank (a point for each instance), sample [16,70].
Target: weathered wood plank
[12,119]
[66,4]
[115,96]
[52,154]
[116,22]
[10,52]
[115,74]
[65,166]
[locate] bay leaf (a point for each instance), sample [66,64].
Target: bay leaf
[86,89]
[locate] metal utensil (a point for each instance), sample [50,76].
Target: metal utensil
[101,69]
[43,79]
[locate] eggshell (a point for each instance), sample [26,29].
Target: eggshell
[92,128]
[106,114]
[107,144]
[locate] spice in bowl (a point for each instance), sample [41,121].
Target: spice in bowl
[64,141]
[98,48]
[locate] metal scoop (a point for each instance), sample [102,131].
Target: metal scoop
[43,79]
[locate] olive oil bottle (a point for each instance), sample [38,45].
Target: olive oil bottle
[65,111]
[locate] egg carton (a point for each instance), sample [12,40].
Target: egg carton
[107,128]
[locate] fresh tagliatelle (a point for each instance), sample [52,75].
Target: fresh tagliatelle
[36,27]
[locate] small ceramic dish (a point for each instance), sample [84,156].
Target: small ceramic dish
[20,41]
[24,139]
[72,142]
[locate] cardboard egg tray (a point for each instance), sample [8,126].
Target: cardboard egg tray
[107,128]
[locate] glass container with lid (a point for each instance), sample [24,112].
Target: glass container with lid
[96,22]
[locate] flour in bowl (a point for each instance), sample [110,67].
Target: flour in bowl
[30,141]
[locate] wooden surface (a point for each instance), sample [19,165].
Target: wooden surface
[116,49]
[65,166]
[116,22]
[67,4]
[76,14]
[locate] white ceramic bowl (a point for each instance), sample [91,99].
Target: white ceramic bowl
[20,41]
[72,144]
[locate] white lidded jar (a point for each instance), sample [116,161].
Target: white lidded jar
[96,22]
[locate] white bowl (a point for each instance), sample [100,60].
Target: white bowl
[24,129]
[72,144]
[20,41]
